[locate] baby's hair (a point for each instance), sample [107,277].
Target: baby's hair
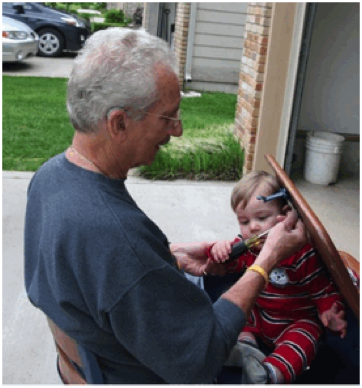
[246,186]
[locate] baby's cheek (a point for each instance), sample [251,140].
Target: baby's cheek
[272,222]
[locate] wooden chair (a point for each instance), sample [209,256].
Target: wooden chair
[76,364]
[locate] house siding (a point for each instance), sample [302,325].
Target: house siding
[218,46]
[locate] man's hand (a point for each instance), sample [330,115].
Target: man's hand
[285,238]
[334,320]
[192,259]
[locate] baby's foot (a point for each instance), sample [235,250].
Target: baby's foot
[254,371]
[240,350]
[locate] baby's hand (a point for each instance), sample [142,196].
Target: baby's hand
[334,320]
[220,251]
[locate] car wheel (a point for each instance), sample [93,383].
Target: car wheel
[51,43]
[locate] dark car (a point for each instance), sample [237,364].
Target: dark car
[57,30]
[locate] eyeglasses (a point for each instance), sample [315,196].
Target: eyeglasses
[172,122]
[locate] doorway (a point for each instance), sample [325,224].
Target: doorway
[327,89]
[166,22]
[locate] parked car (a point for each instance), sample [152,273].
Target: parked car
[19,40]
[57,30]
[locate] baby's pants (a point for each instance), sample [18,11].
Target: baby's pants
[296,343]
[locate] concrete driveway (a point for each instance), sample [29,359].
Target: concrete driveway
[41,67]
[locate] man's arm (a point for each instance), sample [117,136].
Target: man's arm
[283,240]
[245,292]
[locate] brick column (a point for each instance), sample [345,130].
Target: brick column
[251,78]
[181,33]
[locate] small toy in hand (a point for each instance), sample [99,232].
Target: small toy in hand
[244,245]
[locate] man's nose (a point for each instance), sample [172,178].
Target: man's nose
[177,130]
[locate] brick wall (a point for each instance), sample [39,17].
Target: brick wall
[181,33]
[251,77]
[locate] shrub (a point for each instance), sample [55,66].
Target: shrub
[100,6]
[103,26]
[114,16]
[87,16]
[57,6]
[84,5]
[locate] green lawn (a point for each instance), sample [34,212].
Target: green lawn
[207,149]
[35,121]
[36,127]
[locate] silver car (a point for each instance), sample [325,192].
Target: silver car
[19,40]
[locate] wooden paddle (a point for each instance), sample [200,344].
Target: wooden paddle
[320,239]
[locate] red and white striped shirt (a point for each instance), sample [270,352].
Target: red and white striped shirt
[298,288]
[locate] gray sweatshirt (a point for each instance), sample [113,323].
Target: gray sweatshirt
[103,272]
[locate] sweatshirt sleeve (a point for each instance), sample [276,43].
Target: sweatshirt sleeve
[170,325]
[321,288]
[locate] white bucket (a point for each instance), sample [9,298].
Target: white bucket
[323,154]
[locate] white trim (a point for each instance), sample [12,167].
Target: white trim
[153,12]
[291,82]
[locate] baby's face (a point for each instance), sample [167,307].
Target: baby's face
[258,216]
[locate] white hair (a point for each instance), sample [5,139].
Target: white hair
[115,68]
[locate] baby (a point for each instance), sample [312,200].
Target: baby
[297,302]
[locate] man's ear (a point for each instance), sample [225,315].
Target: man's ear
[116,124]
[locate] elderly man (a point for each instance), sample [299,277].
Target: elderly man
[95,263]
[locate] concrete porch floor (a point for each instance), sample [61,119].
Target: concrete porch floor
[338,208]
[200,211]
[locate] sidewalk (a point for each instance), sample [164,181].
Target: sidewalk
[185,210]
